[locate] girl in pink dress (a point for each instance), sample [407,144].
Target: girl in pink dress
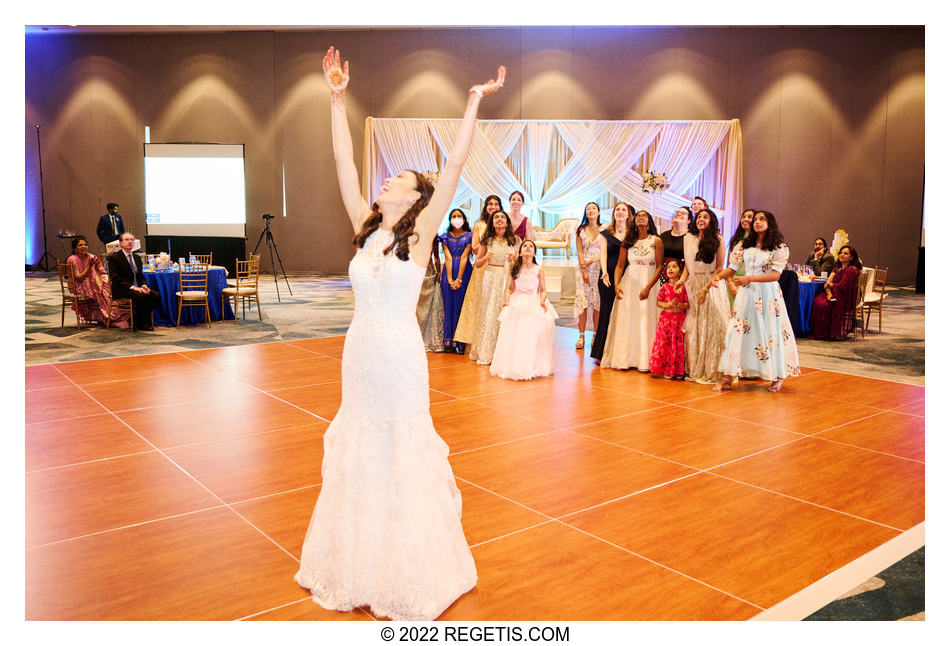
[669,353]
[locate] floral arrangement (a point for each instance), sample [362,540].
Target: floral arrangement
[840,240]
[654,182]
[431,175]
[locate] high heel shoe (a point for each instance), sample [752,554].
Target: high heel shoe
[580,344]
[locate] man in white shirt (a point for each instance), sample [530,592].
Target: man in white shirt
[128,281]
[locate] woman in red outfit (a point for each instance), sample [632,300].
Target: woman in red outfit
[832,310]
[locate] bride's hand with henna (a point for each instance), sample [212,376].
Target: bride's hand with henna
[337,77]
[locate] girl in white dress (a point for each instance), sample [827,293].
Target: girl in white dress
[586,294]
[525,347]
[635,313]
[497,252]
[386,531]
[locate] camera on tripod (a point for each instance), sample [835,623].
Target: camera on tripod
[267,216]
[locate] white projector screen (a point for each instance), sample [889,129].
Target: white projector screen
[195,190]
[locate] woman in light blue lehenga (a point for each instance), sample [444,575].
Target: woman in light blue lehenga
[759,340]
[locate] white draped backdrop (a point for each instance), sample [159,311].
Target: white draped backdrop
[560,166]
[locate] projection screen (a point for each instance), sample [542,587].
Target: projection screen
[195,190]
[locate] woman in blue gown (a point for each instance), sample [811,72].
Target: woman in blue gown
[457,269]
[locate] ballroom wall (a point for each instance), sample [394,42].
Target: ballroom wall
[832,118]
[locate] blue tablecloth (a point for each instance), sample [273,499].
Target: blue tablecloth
[807,291]
[166,282]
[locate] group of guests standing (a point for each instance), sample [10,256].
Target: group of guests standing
[668,304]
[496,310]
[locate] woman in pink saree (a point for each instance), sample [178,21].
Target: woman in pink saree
[90,280]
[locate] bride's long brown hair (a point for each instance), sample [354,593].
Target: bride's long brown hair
[405,227]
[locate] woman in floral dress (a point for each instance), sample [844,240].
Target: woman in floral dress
[586,294]
[760,341]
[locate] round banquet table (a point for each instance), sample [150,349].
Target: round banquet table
[807,291]
[166,282]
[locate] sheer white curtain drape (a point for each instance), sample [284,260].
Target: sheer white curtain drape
[596,159]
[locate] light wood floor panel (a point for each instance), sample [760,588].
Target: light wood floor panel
[322,400]
[284,516]
[307,610]
[205,566]
[53,444]
[634,383]
[789,410]
[96,496]
[466,425]
[687,436]
[555,573]
[43,376]
[799,484]
[870,485]
[187,423]
[59,404]
[143,366]
[899,434]
[760,546]
[470,380]
[332,346]
[860,390]
[289,374]
[916,408]
[245,467]
[170,389]
[569,405]
[250,356]
[486,516]
[562,472]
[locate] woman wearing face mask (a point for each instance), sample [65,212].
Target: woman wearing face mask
[635,313]
[760,342]
[525,346]
[612,237]
[465,330]
[735,250]
[90,280]
[706,319]
[497,252]
[456,247]
[673,241]
[519,222]
[587,275]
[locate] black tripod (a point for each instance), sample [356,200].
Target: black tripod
[47,256]
[268,239]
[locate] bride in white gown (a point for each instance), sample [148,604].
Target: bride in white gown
[386,531]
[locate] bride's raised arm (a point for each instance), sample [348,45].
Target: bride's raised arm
[337,78]
[431,216]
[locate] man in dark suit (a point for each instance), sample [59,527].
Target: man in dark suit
[128,281]
[110,225]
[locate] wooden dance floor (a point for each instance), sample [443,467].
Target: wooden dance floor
[180,486]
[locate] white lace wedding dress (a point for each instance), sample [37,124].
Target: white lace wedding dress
[386,531]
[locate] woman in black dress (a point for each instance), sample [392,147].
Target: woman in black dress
[673,240]
[609,252]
